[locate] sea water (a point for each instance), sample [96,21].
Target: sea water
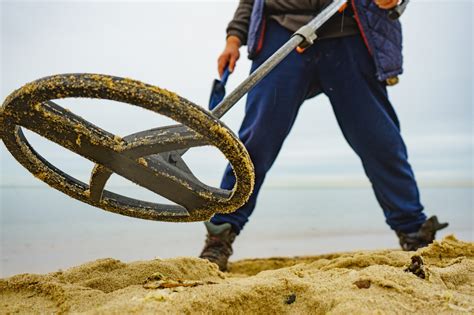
[43,230]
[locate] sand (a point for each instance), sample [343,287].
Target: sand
[368,282]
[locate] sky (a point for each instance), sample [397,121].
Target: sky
[175,45]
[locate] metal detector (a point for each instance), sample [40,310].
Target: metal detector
[151,158]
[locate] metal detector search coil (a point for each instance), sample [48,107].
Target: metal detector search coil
[145,158]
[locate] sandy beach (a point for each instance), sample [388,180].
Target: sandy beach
[383,281]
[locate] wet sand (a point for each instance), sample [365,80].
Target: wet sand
[361,282]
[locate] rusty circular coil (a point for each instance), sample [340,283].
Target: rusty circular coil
[151,158]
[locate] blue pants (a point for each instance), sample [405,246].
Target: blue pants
[342,69]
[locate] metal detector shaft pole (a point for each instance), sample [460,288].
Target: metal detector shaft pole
[304,35]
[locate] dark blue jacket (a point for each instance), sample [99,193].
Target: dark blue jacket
[382,36]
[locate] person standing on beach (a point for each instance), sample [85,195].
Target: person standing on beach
[357,55]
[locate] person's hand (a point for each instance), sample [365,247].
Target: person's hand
[230,55]
[386,4]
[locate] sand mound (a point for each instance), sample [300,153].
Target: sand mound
[439,279]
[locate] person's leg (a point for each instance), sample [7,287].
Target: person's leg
[272,106]
[370,125]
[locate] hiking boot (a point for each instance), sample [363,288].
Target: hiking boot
[424,236]
[218,247]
